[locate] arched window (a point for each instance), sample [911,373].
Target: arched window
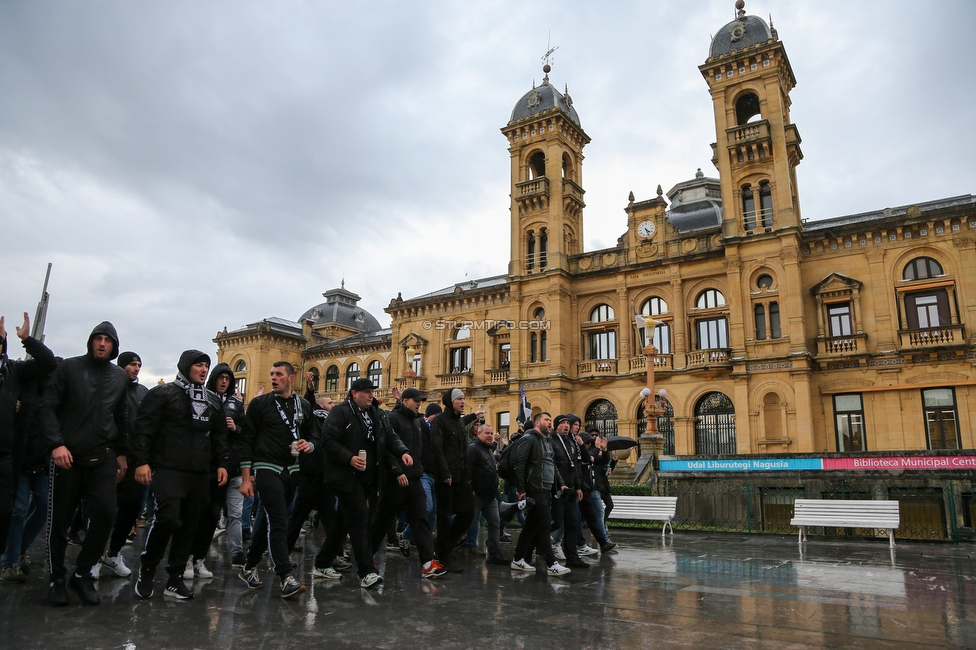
[655,306]
[537,165]
[710,298]
[374,372]
[567,166]
[748,209]
[715,425]
[603,340]
[746,108]
[240,366]
[601,314]
[543,248]
[602,414]
[921,268]
[332,379]
[352,374]
[766,204]
[538,340]
[760,322]
[665,422]
[463,332]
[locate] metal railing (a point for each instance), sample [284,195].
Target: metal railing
[936,510]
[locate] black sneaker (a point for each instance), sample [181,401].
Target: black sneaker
[84,586]
[239,560]
[495,559]
[57,593]
[176,588]
[144,585]
[577,563]
[606,548]
[404,545]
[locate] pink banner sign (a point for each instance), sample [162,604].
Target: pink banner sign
[901,462]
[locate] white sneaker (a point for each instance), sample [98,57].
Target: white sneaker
[370,580]
[558,569]
[586,549]
[96,571]
[558,552]
[522,565]
[327,573]
[188,572]
[201,570]
[116,565]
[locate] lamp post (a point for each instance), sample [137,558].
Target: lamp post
[409,374]
[651,442]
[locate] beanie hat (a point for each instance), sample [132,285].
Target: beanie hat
[128,357]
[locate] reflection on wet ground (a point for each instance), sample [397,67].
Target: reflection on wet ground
[699,590]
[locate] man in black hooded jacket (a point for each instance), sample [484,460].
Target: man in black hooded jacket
[179,434]
[84,423]
[449,438]
[14,374]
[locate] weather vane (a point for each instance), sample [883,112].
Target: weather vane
[548,54]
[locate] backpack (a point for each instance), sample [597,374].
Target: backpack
[506,462]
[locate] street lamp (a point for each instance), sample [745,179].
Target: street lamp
[651,442]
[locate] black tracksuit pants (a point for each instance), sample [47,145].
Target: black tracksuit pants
[412,500]
[179,498]
[8,487]
[209,518]
[455,500]
[535,532]
[276,490]
[352,518]
[311,494]
[565,512]
[96,483]
[129,495]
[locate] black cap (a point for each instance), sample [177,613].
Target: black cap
[586,438]
[362,384]
[433,409]
[414,394]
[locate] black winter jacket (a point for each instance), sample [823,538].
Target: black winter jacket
[312,464]
[566,456]
[84,405]
[481,464]
[409,426]
[168,436]
[15,375]
[343,437]
[528,463]
[449,438]
[267,439]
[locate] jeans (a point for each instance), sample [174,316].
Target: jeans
[235,511]
[488,508]
[598,508]
[29,516]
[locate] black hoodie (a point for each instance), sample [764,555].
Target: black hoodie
[84,405]
[449,439]
[15,375]
[234,409]
[173,432]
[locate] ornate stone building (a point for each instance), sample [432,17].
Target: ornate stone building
[850,334]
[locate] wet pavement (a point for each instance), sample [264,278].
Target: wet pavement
[699,590]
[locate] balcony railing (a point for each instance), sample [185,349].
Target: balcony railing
[758,219]
[420,383]
[597,368]
[526,189]
[661,362]
[842,345]
[456,380]
[748,133]
[933,337]
[715,357]
[496,377]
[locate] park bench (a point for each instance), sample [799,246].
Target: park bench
[645,509]
[845,514]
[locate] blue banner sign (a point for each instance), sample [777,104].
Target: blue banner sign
[742,465]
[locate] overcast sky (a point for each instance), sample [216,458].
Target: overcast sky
[193,165]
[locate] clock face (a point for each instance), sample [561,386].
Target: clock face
[646,229]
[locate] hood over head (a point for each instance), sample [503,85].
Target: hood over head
[188,358]
[218,370]
[108,329]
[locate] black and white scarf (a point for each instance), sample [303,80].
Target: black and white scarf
[367,421]
[198,398]
[296,418]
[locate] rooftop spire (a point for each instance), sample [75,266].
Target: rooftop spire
[740,6]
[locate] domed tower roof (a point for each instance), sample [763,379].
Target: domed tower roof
[341,308]
[740,33]
[543,98]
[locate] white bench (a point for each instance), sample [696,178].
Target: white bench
[846,514]
[645,509]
